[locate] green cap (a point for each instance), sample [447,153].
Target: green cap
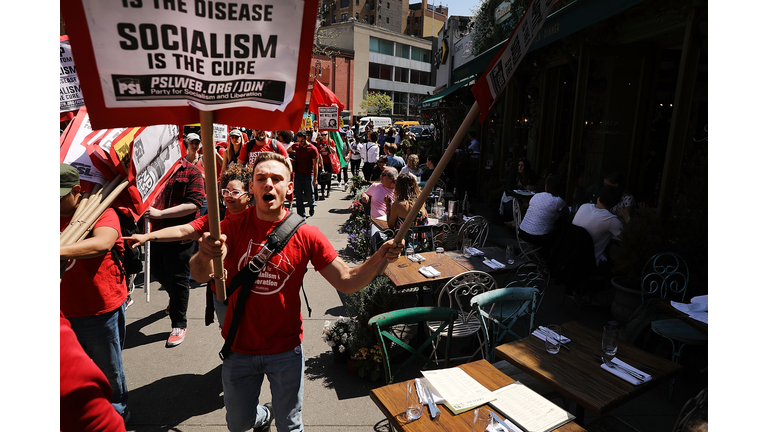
[68,178]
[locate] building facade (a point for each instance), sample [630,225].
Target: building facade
[384,61]
[335,68]
[388,14]
[425,20]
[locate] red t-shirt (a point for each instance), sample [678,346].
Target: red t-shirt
[256,149]
[304,156]
[93,286]
[325,150]
[84,392]
[272,321]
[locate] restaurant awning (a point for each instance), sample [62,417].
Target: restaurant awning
[434,100]
[568,20]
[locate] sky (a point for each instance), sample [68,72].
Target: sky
[458,7]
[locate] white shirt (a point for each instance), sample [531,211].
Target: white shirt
[543,211]
[370,152]
[600,224]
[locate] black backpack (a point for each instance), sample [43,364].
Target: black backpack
[130,262]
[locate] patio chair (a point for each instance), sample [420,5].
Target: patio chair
[476,229]
[527,249]
[456,294]
[666,275]
[532,274]
[383,323]
[500,310]
[447,236]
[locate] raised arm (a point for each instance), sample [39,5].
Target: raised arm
[349,280]
[201,263]
[169,234]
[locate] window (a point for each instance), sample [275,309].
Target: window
[344,3]
[357,2]
[419,77]
[420,54]
[415,20]
[357,16]
[403,51]
[387,5]
[380,71]
[382,46]
[387,20]
[344,17]
[400,103]
[401,74]
[379,18]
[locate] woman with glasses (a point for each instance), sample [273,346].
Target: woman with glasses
[236,198]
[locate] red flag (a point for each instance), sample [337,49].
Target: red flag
[322,95]
[498,74]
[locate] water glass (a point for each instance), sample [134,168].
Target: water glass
[413,406]
[510,254]
[440,252]
[409,252]
[610,340]
[466,244]
[482,420]
[552,340]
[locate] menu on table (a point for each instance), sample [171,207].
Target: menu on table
[460,391]
[528,409]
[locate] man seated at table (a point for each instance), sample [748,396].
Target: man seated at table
[374,196]
[432,162]
[538,226]
[599,222]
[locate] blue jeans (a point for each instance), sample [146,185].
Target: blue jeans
[103,338]
[242,376]
[302,189]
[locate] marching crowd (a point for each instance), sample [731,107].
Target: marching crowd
[260,175]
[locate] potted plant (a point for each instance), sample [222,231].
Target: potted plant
[337,335]
[357,229]
[377,297]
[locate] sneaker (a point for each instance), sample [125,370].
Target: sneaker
[270,418]
[311,211]
[176,337]
[128,301]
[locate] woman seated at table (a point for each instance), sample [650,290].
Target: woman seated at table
[406,192]
[524,178]
[412,166]
[379,168]
[538,226]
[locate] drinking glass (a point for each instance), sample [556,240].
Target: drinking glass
[409,253]
[510,254]
[439,212]
[610,340]
[552,340]
[465,245]
[439,251]
[482,420]
[413,406]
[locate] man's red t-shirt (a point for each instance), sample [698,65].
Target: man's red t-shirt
[272,321]
[304,156]
[93,286]
[256,149]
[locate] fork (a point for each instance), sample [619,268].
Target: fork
[613,365]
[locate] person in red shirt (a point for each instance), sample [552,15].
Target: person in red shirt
[269,338]
[305,180]
[93,289]
[325,145]
[262,143]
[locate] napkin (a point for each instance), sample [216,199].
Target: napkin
[625,376]
[435,395]
[541,334]
[428,271]
[498,264]
[492,263]
[417,258]
[475,252]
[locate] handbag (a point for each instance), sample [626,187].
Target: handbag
[324,177]
[276,240]
[335,164]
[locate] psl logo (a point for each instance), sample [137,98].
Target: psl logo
[131,86]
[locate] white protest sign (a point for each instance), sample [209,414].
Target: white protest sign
[155,150]
[70,95]
[328,118]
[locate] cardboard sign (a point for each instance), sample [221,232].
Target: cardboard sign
[70,95]
[328,118]
[145,63]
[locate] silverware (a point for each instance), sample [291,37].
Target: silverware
[498,420]
[433,410]
[546,331]
[613,365]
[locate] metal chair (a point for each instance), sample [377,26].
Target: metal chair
[500,310]
[476,229]
[383,323]
[421,237]
[666,275]
[528,250]
[447,236]
[532,274]
[457,294]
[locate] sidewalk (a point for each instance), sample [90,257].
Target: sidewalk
[180,389]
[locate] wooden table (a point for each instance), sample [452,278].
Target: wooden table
[698,325]
[576,373]
[491,252]
[404,273]
[382,224]
[391,401]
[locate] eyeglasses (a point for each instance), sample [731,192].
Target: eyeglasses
[325,134]
[234,193]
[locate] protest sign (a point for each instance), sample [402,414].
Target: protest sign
[496,77]
[70,95]
[328,118]
[144,63]
[72,152]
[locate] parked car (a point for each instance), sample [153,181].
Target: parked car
[422,132]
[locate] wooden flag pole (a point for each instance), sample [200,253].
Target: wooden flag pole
[95,207]
[460,134]
[211,191]
[147,228]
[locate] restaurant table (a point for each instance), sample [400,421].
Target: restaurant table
[491,252]
[576,373]
[696,324]
[404,273]
[381,224]
[391,401]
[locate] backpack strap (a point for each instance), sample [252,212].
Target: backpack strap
[276,240]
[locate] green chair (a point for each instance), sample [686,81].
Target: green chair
[665,275]
[500,310]
[383,323]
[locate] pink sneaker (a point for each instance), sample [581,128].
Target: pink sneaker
[176,337]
